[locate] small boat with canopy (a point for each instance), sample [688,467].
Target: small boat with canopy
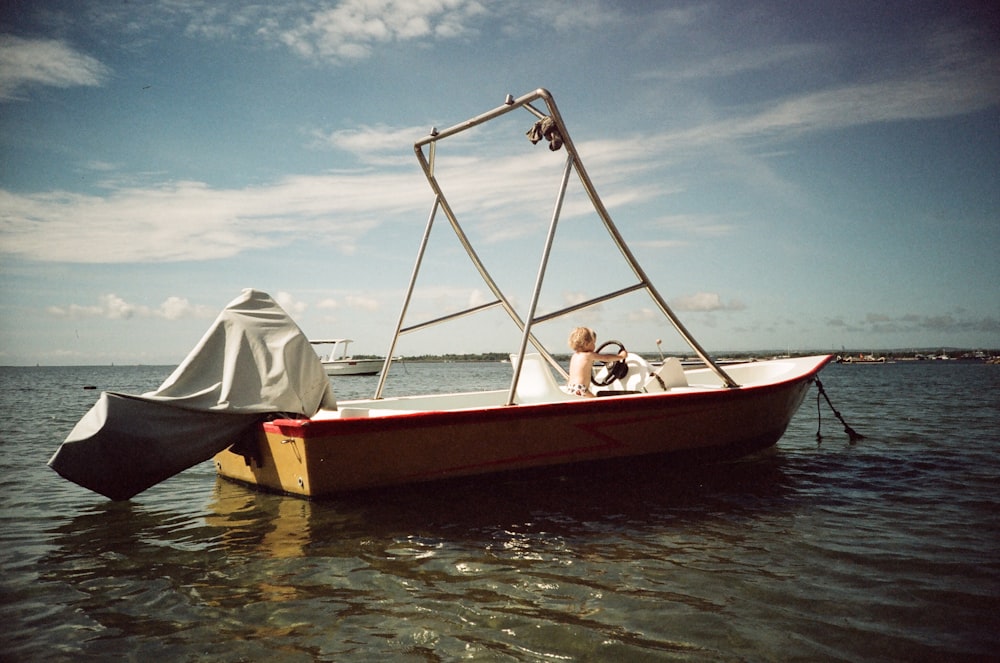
[275,423]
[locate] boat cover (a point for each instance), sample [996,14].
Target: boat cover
[253,362]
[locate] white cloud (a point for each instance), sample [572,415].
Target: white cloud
[378,144]
[192,221]
[736,62]
[328,304]
[100,166]
[573,15]
[113,307]
[26,62]
[291,305]
[660,244]
[643,315]
[572,298]
[350,30]
[947,85]
[694,225]
[187,220]
[479,297]
[703,302]
[176,308]
[362,303]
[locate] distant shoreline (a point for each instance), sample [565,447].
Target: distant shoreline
[923,354]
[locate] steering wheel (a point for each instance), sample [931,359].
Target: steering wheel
[615,371]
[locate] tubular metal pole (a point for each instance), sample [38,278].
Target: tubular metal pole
[463,238]
[406,299]
[540,277]
[511,105]
[573,161]
[626,252]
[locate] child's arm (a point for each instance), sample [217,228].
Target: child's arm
[620,356]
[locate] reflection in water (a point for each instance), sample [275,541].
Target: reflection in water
[487,565]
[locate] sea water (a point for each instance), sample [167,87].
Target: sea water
[820,549]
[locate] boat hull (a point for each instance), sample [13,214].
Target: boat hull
[316,458]
[353,367]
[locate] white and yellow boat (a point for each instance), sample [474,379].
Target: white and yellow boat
[275,424]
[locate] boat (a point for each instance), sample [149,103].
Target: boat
[642,409]
[253,395]
[339,362]
[861,359]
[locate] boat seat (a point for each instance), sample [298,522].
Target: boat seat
[669,375]
[536,384]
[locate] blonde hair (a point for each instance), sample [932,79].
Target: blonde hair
[581,337]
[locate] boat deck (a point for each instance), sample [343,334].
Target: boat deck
[538,386]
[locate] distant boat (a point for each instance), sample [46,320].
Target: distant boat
[338,362]
[861,359]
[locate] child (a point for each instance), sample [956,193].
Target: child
[583,341]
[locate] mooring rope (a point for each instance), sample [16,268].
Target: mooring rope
[852,434]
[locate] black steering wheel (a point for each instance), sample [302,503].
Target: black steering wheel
[615,371]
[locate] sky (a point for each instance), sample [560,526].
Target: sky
[792,175]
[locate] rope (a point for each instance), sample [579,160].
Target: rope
[852,434]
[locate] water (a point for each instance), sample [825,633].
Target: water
[881,550]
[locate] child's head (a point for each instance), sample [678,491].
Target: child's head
[582,339]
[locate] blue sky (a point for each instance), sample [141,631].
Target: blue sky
[792,175]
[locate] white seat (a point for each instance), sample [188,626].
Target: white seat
[536,383]
[635,381]
[667,376]
[639,371]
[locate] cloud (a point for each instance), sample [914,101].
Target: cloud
[953,75]
[350,30]
[291,305]
[193,221]
[912,323]
[190,220]
[362,303]
[702,302]
[573,15]
[643,315]
[113,307]
[356,302]
[736,62]
[175,308]
[27,62]
[695,225]
[101,166]
[378,144]
[480,297]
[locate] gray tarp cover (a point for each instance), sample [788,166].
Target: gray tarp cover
[252,362]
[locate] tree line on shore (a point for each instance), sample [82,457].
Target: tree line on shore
[890,355]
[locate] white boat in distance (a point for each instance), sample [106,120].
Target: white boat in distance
[339,362]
